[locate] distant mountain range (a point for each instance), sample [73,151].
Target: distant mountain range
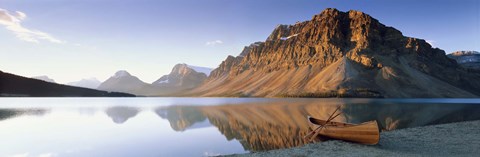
[44,78]
[199,69]
[467,59]
[17,86]
[340,54]
[122,81]
[335,54]
[182,77]
[91,83]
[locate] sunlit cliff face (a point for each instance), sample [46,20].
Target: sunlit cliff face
[340,54]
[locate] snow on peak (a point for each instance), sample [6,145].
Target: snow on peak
[121,73]
[163,81]
[285,38]
[204,70]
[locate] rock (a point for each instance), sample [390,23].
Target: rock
[122,81]
[295,60]
[467,59]
[181,77]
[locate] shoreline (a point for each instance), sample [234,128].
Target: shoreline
[452,139]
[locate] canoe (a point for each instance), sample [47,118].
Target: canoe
[364,133]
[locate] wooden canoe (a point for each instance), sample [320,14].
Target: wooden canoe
[364,133]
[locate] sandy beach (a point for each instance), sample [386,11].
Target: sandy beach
[454,139]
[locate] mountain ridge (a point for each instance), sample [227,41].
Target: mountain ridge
[182,77]
[91,83]
[18,86]
[122,81]
[290,61]
[467,59]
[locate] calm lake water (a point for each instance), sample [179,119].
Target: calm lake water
[195,126]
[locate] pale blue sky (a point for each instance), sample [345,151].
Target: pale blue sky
[94,38]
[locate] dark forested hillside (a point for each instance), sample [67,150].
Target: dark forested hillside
[13,85]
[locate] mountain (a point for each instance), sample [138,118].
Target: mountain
[13,85]
[248,48]
[122,81]
[182,77]
[467,59]
[91,83]
[44,78]
[340,54]
[199,69]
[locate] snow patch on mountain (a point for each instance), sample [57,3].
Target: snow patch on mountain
[163,81]
[121,73]
[204,70]
[285,38]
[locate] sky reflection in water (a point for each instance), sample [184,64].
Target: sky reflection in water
[195,126]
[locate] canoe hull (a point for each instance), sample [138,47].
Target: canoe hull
[365,133]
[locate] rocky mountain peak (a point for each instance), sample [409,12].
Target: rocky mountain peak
[121,73]
[180,69]
[249,48]
[465,53]
[467,59]
[182,76]
[185,69]
[327,13]
[226,66]
[279,32]
[291,58]
[205,70]
[122,81]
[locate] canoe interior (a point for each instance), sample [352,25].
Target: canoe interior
[323,122]
[365,133]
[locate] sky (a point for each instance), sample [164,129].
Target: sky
[68,40]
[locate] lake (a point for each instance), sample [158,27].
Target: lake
[196,126]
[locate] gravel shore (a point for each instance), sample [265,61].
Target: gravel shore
[454,139]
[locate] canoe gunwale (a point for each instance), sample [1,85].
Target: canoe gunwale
[375,132]
[344,124]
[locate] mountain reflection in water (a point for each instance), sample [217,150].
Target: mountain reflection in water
[120,114]
[282,124]
[11,113]
[257,124]
[181,118]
